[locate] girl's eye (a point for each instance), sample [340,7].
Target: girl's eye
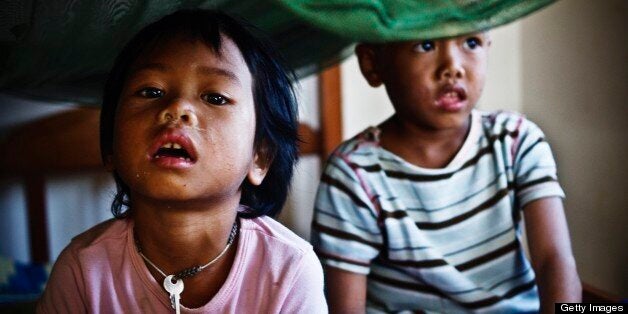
[151,92]
[424,46]
[472,43]
[215,99]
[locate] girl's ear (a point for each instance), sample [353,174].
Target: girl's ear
[367,58]
[259,167]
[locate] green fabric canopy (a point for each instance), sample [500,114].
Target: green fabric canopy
[62,49]
[397,20]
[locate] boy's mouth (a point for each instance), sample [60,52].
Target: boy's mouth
[173,149]
[451,98]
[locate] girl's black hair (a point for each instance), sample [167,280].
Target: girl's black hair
[275,102]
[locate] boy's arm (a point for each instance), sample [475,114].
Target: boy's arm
[550,251]
[345,234]
[346,291]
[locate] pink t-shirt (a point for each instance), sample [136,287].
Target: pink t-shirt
[101,272]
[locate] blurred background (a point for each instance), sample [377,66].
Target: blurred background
[564,67]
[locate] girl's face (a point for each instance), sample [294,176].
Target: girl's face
[185,124]
[434,83]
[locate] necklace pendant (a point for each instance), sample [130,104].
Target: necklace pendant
[174,289]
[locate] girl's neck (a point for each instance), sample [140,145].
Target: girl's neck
[423,147]
[176,237]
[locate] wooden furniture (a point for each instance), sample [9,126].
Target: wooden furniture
[69,142]
[591,294]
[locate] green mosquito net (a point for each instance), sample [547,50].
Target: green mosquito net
[62,49]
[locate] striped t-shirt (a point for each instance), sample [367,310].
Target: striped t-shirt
[442,240]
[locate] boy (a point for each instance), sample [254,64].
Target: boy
[423,212]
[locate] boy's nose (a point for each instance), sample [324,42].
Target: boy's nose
[452,72]
[178,112]
[451,66]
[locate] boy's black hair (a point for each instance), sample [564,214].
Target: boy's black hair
[275,102]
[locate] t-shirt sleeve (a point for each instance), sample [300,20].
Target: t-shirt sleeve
[64,289]
[345,233]
[307,294]
[534,167]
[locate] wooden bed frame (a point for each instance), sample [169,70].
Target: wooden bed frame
[69,142]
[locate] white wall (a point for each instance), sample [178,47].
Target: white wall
[362,105]
[297,213]
[575,58]
[503,84]
[13,220]
[74,202]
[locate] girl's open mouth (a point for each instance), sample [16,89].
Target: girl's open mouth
[173,149]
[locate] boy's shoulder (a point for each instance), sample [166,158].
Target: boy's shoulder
[501,123]
[361,144]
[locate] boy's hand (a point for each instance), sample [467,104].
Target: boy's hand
[550,251]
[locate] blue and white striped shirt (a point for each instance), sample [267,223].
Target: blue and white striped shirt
[437,240]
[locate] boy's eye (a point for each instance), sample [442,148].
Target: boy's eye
[151,92]
[424,46]
[215,99]
[472,43]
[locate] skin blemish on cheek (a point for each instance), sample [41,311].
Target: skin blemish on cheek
[199,129]
[144,173]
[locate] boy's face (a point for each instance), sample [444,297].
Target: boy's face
[185,124]
[432,84]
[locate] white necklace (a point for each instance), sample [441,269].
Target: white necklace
[176,288]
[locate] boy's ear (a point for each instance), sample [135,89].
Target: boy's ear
[260,165]
[367,58]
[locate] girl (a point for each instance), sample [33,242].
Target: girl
[198,126]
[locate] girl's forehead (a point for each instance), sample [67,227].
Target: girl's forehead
[184,48]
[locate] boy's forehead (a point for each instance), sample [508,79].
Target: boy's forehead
[484,33]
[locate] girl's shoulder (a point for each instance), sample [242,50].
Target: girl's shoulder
[112,229]
[267,246]
[273,235]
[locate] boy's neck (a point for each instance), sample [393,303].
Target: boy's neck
[421,146]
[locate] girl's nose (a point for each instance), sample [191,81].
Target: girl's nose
[451,65]
[178,112]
